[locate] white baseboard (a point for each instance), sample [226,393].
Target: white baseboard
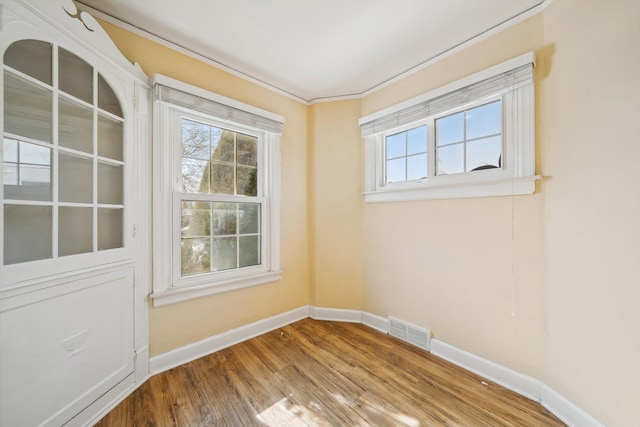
[376,322]
[520,383]
[187,353]
[568,412]
[335,314]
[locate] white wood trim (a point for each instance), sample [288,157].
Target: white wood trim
[179,356]
[566,410]
[106,403]
[376,322]
[335,314]
[179,294]
[524,385]
[503,187]
[513,380]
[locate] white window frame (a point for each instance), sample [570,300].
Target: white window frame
[517,174]
[213,109]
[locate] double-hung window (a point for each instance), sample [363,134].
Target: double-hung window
[471,138]
[217,193]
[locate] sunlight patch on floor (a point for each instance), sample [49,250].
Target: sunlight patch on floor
[285,413]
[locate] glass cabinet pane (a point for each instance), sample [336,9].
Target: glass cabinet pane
[75,230]
[110,184]
[75,126]
[32,57]
[27,233]
[75,76]
[27,171]
[110,228]
[107,100]
[27,109]
[75,179]
[109,138]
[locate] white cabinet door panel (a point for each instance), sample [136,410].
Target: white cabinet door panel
[59,354]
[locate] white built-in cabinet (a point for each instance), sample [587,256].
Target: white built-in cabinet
[74,217]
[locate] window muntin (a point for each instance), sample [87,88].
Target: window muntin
[218,236]
[469,140]
[222,229]
[406,155]
[63,192]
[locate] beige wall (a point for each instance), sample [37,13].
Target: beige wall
[337,205]
[591,152]
[180,324]
[469,269]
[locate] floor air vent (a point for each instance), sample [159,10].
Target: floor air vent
[409,333]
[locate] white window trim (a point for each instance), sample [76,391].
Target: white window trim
[517,175]
[168,286]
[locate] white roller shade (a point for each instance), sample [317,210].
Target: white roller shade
[482,85]
[180,94]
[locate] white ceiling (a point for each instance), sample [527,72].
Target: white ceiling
[316,49]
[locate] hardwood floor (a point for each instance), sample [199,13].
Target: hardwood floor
[317,373]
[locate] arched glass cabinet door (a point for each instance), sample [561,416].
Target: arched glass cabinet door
[63,157]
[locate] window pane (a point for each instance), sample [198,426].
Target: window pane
[223,145]
[32,57]
[27,109]
[224,254]
[75,179]
[110,187]
[29,177]
[417,140]
[417,167]
[196,140]
[396,170]
[109,138]
[196,219]
[484,153]
[75,230]
[450,129]
[247,181]
[396,145]
[484,120]
[195,176]
[27,233]
[249,250]
[249,218]
[107,100]
[450,159]
[110,228]
[225,219]
[222,178]
[195,256]
[75,126]
[247,148]
[75,76]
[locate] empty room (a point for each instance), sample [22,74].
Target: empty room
[320,213]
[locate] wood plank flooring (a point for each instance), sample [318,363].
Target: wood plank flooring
[317,373]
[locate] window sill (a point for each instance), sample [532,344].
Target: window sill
[180,294]
[421,190]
